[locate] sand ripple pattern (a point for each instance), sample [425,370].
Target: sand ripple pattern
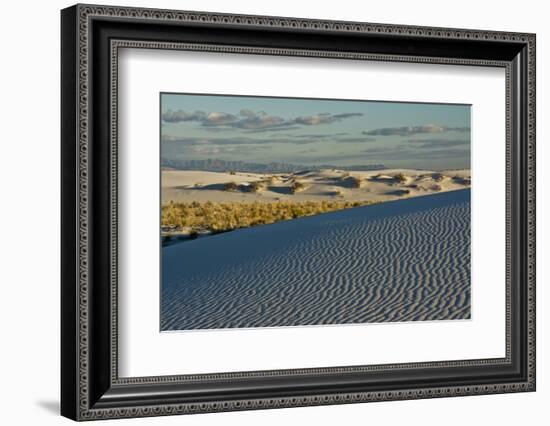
[406,260]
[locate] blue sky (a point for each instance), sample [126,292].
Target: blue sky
[315,131]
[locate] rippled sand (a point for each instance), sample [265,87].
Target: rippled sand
[406,260]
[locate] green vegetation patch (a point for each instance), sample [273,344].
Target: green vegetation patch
[220,217]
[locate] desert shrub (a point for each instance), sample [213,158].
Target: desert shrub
[462,180]
[297,186]
[400,177]
[230,186]
[354,181]
[256,186]
[435,187]
[438,177]
[220,217]
[232,172]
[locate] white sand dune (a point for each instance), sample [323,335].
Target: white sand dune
[318,185]
[406,260]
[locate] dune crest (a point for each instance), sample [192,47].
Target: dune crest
[308,185]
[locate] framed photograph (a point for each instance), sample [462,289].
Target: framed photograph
[263,212]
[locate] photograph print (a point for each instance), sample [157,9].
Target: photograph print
[279,212]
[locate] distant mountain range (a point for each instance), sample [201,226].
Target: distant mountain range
[214,165]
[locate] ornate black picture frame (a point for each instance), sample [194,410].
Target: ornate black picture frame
[91,387]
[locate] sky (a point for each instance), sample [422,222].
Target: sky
[315,131]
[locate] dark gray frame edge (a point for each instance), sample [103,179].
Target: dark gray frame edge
[90,386]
